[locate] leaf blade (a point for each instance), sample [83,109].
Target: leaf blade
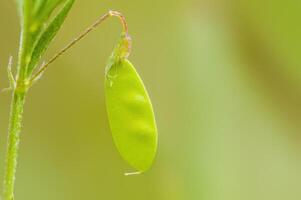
[48,35]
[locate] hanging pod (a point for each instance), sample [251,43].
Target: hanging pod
[129,108]
[130,111]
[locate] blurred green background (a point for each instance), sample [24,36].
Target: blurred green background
[225,80]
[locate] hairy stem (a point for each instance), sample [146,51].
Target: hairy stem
[17,104]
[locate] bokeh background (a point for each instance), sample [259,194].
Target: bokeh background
[225,80]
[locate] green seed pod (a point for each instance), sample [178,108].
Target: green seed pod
[130,111]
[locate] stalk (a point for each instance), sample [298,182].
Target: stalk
[17,105]
[19,90]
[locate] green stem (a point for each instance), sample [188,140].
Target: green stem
[18,99]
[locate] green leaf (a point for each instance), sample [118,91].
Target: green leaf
[38,10]
[35,16]
[44,8]
[48,34]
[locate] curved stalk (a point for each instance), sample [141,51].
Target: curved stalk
[44,66]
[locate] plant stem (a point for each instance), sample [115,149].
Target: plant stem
[17,104]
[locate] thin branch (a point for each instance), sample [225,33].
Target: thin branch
[77,39]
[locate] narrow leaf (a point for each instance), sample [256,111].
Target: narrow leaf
[48,34]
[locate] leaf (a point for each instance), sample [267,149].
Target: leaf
[34,15]
[47,35]
[38,10]
[44,8]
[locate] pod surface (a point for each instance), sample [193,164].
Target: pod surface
[131,115]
